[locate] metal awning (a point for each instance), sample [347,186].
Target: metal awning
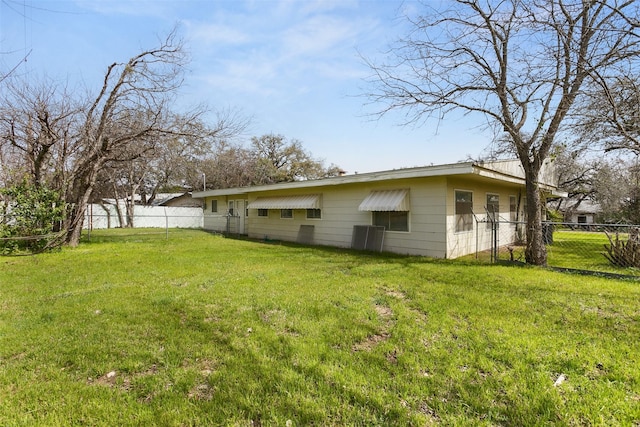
[306,201]
[387,200]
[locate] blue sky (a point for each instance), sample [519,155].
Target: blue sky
[294,66]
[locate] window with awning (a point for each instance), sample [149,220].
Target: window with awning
[389,208]
[306,201]
[386,201]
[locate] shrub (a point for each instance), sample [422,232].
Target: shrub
[28,216]
[624,253]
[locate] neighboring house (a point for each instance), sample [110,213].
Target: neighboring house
[183,200]
[584,212]
[437,211]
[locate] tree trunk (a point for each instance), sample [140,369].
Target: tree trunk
[130,203]
[129,208]
[107,213]
[75,221]
[536,251]
[117,196]
[121,221]
[81,191]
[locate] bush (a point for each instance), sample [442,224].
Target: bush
[624,253]
[28,216]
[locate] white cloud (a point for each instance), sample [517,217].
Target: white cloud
[320,35]
[271,52]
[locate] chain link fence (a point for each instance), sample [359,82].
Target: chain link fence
[147,221]
[607,249]
[154,222]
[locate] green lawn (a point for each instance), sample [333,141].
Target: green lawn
[200,330]
[571,249]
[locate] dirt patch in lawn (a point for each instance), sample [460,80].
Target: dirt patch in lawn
[385,314]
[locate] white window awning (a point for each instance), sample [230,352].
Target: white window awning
[306,201]
[387,200]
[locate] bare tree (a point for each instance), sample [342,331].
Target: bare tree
[131,106]
[521,64]
[228,165]
[576,176]
[163,162]
[610,115]
[37,121]
[53,138]
[280,161]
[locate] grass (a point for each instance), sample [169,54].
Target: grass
[584,250]
[197,329]
[578,250]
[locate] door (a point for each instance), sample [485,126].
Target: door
[240,211]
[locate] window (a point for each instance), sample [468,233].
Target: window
[231,208]
[286,213]
[464,210]
[493,209]
[513,208]
[391,220]
[214,206]
[314,214]
[263,212]
[582,219]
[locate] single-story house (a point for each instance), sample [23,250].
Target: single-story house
[583,212]
[437,211]
[183,200]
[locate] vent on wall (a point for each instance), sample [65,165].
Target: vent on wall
[367,237]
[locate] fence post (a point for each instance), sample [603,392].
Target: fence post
[90,221]
[477,233]
[166,223]
[494,239]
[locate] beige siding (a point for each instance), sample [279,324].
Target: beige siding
[220,221]
[467,242]
[431,217]
[340,213]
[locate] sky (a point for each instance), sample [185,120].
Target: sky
[295,67]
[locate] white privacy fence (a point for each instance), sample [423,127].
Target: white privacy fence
[106,216]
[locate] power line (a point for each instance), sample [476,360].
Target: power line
[9,3]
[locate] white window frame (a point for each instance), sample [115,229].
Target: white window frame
[468,228]
[496,214]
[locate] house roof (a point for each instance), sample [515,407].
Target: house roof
[584,207]
[503,170]
[165,197]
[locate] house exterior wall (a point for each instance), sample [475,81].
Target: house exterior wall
[581,218]
[340,214]
[431,217]
[479,238]
[222,221]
